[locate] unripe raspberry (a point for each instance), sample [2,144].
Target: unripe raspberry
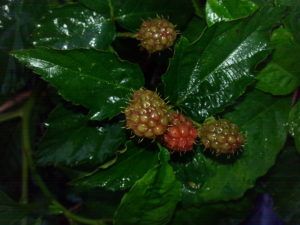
[181,134]
[147,114]
[156,34]
[221,136]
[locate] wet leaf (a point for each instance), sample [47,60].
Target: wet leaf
[71,140]
[218,10]
[282,75]
[262,118]
[129,167]
[74,26]
[152,199]
[97,80]
[203,78]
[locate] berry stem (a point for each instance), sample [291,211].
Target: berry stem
[10,115]
[126,35]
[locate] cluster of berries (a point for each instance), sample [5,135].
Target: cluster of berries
[149,116]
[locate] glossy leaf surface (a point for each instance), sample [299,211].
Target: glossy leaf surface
[282,75]
[205,77]
[152,199]
[97,80]
[74,26]
[131,13]
[219,10]
[71,140]
[129,167]
[263,120]
[294,124]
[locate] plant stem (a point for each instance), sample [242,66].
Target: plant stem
[24,189]
[25,175]
[14,101]
[26,142]
[111,9]
[196,6]
[10,115]
[26,150]
[126,35]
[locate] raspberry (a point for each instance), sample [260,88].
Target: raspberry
[156,34]
[221,136]
[147,114]
[181,134]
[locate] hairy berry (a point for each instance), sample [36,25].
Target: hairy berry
[156,34]
[221,136]
[181,134]
[147,114]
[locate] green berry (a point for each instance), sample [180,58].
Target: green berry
[156,35]
[221,136]
[147,114]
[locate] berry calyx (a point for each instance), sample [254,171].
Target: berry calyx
[221,136]
[181,134]
[147,114]
[156,34]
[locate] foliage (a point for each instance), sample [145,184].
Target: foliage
[232,59]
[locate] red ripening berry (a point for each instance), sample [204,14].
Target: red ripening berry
[147,114]
[156,34]
[181,134]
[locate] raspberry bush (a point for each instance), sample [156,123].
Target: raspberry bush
[133,112]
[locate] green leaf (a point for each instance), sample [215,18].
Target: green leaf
[220,213]
[74,26]
[71,140]
[152,199]
[130,13]
[205,77]
[17,18]
[262,118]
[219,10]
[294,124]
[97,80]
[293,22]
[101,6]
[285,2]
[10,211]
[130,167]
[282,75]
[194,29]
